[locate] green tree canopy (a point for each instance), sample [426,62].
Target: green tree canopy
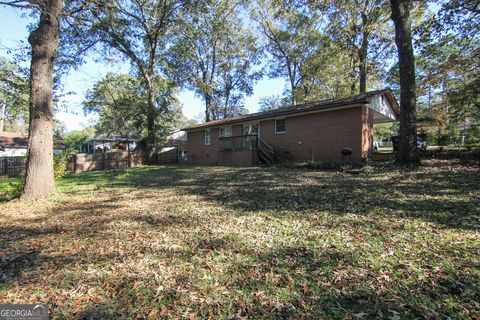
[120,101]
[14,92]
[217,56]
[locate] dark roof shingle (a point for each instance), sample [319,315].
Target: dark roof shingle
[13,139]
[319,105]
[20,140]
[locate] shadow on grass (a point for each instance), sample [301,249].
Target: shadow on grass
[287,283]
[443,197]
[282,281]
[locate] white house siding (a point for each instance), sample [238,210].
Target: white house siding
[22,152]
[13,152]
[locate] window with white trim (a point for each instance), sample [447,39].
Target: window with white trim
[207,137]
[280,126]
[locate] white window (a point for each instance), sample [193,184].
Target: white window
[225,132]
[207,137]
[280,126]
[183,155]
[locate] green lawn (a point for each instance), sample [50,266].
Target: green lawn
[216,242]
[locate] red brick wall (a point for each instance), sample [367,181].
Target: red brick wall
[242,158]
[198,152]
[319,136]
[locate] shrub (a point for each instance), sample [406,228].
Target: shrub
[473,136]
[59,165]
[12,190]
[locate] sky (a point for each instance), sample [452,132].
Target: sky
[13,31]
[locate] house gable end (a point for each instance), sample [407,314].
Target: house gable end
[383,109]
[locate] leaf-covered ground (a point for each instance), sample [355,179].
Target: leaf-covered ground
[215,242]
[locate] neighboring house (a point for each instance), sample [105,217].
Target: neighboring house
[111,141]
[178,139]
[314,131]
[14,144]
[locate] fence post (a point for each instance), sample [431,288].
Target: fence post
[6,166]
[75,163]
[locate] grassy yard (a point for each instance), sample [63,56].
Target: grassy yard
[215,242]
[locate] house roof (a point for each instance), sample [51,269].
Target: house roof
[113,137]
[121,137]
[362,98]
[20,140]
[13,139]
[177,134]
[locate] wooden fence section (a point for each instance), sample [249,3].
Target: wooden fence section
[12,166]
[166,155]
[119,160]
[98,161]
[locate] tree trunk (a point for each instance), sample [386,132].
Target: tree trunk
[150,157]
[151,114]
[39,178]
[208,107]
[2,115]
[362,55]
[408,115]
[363,70]
[293,91]
[353,86]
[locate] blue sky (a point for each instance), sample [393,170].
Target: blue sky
[13,30]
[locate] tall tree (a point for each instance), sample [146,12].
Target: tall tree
[360,28]
[120,101]
[39,178]
[138,30]
[291,39]
[271,103]
[215,55]
[408,114]
[449,43]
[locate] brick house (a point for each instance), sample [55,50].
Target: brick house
[315,131]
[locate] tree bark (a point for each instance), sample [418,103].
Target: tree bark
[208,107]
[151,120]
[39,177]
[2,115]
[151,113]
[353,86]
[362,55]
[293,92]
[408,114]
